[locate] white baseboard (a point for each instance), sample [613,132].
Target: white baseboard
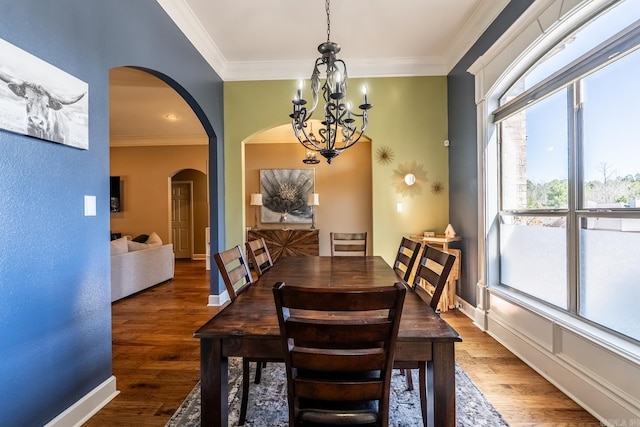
[219,300]
[585,365]
[87,406]
[595,393]
[465,308]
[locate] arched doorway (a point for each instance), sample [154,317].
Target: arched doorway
[189,214]
[344,187]
[154,133]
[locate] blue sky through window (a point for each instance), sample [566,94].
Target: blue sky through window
[612,112]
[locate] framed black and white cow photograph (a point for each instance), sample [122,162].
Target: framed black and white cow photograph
[40,100]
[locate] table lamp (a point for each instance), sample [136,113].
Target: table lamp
[314,200]
[256,200]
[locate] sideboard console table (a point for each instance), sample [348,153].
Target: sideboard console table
[282,243]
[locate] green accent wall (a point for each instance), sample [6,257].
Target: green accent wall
[409,117]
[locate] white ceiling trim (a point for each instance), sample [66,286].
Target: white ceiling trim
[154,141]
[477,24]
[295,70]
[184,17]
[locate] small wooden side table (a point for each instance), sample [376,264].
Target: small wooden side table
[448,298]
[436,240]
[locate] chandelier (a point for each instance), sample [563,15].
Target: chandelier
[339,130]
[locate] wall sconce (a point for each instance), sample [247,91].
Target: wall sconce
[313,201]
[399,207]
[256,200]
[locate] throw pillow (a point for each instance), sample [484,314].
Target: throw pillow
[119,246]
[142,238]
[136,246]
[154,240]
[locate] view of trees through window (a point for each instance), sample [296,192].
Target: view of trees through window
[609,189]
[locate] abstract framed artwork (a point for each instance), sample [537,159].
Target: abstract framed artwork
[42,101]
[284,195]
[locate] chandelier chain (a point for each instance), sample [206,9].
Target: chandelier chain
[326,7]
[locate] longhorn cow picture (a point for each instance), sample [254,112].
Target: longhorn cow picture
[40,100]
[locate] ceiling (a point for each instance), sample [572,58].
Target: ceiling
[144,110]
[278,39]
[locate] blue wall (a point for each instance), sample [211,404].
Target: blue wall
[55,311]
[463,153]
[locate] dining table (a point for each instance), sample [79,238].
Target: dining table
[248,327]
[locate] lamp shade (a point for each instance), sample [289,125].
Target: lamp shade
[314,199]
[256,199]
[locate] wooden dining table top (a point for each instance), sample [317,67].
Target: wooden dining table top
[248,327]
[253,313]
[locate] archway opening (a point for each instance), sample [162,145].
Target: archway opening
[344,187]
[154,132]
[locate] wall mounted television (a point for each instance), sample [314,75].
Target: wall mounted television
[116,201]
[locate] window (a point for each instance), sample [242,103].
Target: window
[569,138]
[610,241]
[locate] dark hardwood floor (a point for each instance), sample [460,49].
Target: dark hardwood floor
[156,360]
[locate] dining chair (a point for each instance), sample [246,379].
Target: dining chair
[237,278]
[429,282]
[234,271]
[432,274]
[259,256]
[406,256]
[348,244]
[339,346]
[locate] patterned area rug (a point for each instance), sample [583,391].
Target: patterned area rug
[268,401]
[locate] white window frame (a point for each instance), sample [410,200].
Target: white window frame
[599,370]
[569,78]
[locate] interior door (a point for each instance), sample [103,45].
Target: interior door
[181,214]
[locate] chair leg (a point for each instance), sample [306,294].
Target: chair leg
[259,366]
[422,374]
[245,391]
[407,373]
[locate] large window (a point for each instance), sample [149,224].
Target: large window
[569,134]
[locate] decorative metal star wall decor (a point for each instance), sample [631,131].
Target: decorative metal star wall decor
[437,188]
[409,179]
[384,155]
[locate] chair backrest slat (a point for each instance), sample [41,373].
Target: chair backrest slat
[432,274]
[259,255]
[348,243]
[339,347]
[234,270]
[406,256]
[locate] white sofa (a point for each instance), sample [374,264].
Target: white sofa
[138,266]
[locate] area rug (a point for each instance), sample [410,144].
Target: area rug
[268,401]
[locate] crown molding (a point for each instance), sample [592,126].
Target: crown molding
[295,70]
[475,26]
[185,19]
[187,22]
[397,67]
[154,141]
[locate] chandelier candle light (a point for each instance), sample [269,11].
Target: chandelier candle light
[339,131]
